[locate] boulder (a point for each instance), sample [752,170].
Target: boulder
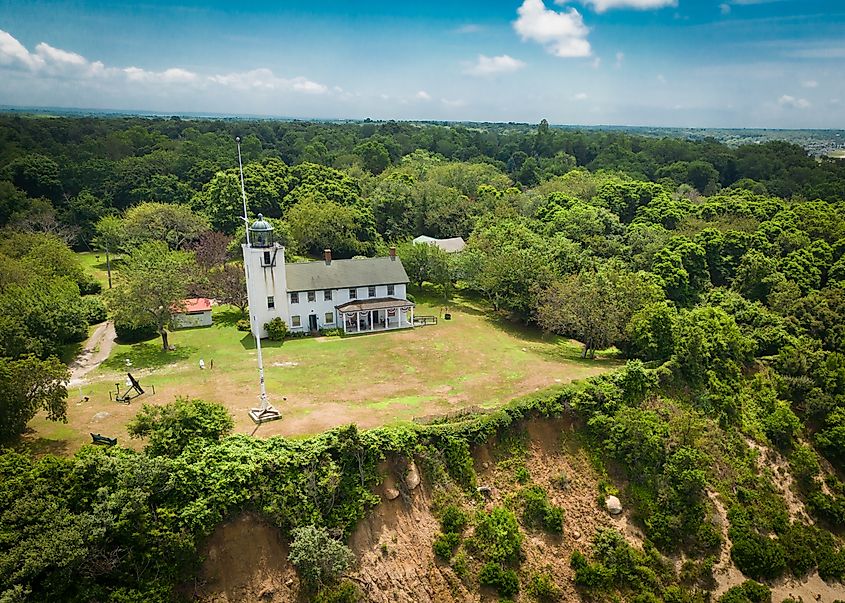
[391,493]
[413,477]
[614,507]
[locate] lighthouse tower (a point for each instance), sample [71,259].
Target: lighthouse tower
[264,263]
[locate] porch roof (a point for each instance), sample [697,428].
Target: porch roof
[375,303]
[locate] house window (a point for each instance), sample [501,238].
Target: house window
[391,289]
[329,318]
[327,295]
[371,291]
[312,296]
[353,294]
[294,298]
[271,302]
[267,260]
[295,321]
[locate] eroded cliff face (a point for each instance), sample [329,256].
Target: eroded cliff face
[246,558]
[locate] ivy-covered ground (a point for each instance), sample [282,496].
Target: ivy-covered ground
[475,359]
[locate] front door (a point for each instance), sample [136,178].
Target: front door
[312,322]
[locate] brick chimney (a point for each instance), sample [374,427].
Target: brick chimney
[327,254]
[393,253]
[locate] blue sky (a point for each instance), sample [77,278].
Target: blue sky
[707,63]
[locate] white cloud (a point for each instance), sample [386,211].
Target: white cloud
[596,63]
[725,8]
[563,34]
[485,65]
[50,62]
[793,103]
[620,58]
[580,96]
[602,5]
[264,79]
[661,78]
[423,95]
[810,84]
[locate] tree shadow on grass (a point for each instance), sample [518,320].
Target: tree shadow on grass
[35,445]
[228,316]
[147,355]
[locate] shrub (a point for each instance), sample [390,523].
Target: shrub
[538,512]
[460,565]
[242,325]
[88,285]
[170,428]
[497,535]
[504,581]
[445,544]
[459,464]
[335,332]
[344,592]
[319,558]
[277,330]
[453,519]
[543,588]
[756,555]
[747,592]
[94,309]
[128,333]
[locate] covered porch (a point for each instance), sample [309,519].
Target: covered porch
[379,314]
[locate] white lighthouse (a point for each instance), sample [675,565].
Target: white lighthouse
[264,263]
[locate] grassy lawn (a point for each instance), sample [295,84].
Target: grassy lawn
[95,263]
[475,359]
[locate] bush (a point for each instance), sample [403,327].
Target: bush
[88,285]
[127,333]
[505,582]
[319,558]
[277,330]
[453,520]
[170,428]
[335,332]
[543,588]
[460,565]
[497,535]
[242,325]
[756,555]
[345,592]
[538,512]
[445,544]
[747,592]
[94,309]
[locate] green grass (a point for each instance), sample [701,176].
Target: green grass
[477,359]
[94,262]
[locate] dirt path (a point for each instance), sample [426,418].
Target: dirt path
[96,350]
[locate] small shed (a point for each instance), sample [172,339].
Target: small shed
[196,313]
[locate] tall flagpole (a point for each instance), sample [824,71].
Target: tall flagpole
[265,412]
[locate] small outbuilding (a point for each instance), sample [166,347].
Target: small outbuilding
[453,245]
[196,313]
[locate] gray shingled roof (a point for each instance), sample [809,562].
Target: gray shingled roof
[340,274]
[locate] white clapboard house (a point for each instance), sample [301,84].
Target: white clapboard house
[357,295]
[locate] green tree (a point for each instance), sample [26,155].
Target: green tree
[175,225]
[595,307]
[151,287]
[110,237]
[28,385]
[317,224]
[169,429]
[374,156]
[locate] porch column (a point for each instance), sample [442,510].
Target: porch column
[343,318]
[412,316]
[372,325]
[358,320]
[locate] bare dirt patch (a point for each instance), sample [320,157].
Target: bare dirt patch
[246,560]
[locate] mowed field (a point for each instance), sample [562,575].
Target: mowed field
[474,359]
